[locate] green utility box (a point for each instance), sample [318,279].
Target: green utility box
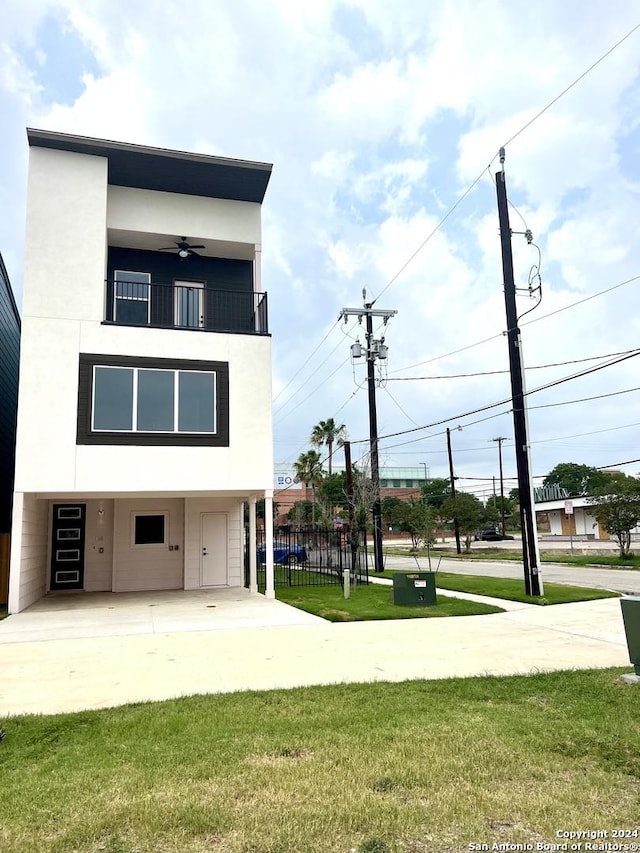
[417,589]
[631,618]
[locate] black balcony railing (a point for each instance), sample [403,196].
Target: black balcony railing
[138,303]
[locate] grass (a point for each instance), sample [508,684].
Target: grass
[379,768]
[371,602]
[495,554]
[513,590]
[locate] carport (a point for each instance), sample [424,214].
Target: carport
[70,616]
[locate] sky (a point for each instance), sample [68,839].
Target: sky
[383,123]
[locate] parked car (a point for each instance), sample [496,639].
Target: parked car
[491,534]
[284,553]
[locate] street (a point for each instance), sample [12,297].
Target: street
[622,580]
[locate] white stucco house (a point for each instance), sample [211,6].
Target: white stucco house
[144,409]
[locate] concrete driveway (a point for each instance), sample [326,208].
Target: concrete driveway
[65,656]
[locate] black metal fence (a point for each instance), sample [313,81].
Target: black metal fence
[312,557]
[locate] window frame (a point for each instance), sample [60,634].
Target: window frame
[135,411]
[147,299]
[146,545]
[86,434]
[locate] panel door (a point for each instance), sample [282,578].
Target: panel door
[213,568]
[67,546]
[189,307]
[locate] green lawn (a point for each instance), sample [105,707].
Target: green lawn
[371,602]
[512,589]
[380,768]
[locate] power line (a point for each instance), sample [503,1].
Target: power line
[580,301]
[461,199]
[509,141]
[305,363]
[571,85]
[585,399]
[526,323]
[507,400]
[496,372]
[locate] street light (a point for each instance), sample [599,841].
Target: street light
[424,465]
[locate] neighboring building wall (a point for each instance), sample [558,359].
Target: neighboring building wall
[9,362]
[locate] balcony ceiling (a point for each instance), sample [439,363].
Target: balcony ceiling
[153,242]
[165,170]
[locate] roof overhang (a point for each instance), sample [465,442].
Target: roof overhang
[161,169]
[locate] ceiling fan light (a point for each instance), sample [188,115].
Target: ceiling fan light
[183,253]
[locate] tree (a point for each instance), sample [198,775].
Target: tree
[420,523]
[328,433]
[470,514]
[308,468]
[576,479]
[301,513]
[332,492]
[617,508]
[393,511]
[436,491]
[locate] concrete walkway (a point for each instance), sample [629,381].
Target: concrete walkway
[141,647]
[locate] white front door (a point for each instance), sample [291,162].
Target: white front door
[213,568]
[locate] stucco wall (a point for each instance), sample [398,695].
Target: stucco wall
[152,212]
[63,312]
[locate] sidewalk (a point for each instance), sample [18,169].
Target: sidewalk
[71,674]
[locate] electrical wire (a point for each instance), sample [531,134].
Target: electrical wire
[508,142]
[282,417]
[526,323]
[508,400]
[571,85]
[304,364]
[407,416]
[497,372]
[585,399]
[461,199]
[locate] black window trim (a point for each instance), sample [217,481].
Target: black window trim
[85,435]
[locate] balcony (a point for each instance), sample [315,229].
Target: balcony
[194,307]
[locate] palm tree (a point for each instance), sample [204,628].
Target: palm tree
[308,468]
[326,433]
[309,471]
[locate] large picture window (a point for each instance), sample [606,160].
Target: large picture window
[125,400]
[145,400]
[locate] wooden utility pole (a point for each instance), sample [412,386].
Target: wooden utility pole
[531,562]
[452,482]
[374,349]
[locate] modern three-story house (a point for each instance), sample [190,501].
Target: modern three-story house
[144,411]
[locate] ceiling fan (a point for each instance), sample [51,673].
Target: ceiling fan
[183,248]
